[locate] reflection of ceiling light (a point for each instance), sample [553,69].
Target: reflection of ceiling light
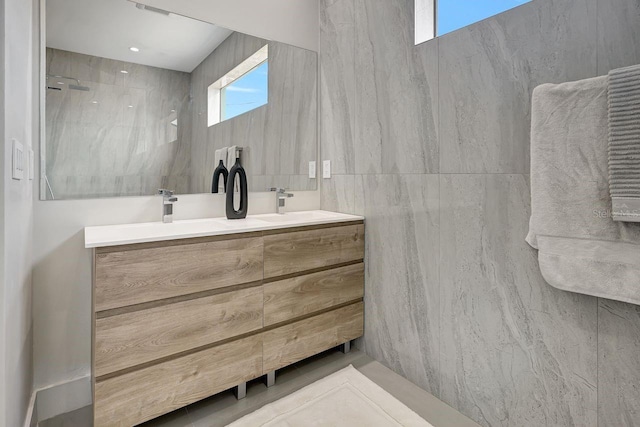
[124,71]
[60,83]
[173,111]
[134,49]
[94,102]
[130,106]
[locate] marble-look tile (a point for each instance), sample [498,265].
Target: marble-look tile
[618,34]
[337,85]
[618,364]
[299,143]
[58,63]
[324,4]
[231,52]
[302,183]
[83,150]
[247,130]
[85,68]
[396,112]
[116,139]
[514,350]
[279,138]
[488,71]
[262,183]
[401,273]
[277,116]
[338,194]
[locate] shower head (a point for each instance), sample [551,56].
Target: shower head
[152,9]
[77,86]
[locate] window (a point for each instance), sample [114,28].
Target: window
[241,90]
[434,18]
[248,92]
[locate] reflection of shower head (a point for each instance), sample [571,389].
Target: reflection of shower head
[77,86]
[152,9]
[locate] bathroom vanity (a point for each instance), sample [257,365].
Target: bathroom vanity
[183,311]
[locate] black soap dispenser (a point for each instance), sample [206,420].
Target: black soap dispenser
[237,169]
[215,182]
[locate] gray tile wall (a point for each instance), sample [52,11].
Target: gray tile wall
[431,144]
[124,144]
[279,138]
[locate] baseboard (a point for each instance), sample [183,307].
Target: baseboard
[61,398]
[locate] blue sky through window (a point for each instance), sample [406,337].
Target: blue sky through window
[246,93]
[455,14]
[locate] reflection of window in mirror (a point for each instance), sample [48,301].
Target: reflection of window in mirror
[241,90]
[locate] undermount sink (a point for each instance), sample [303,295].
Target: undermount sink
[295,217]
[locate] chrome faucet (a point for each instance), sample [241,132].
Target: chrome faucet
[281,197]
[168,199]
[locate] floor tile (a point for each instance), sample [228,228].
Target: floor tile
[223,408]
[178,418]
[82,417]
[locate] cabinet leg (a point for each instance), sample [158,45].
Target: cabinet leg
[271,378]
[346,347]
[241,391]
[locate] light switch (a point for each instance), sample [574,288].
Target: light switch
[312,170]
[326,169]
[18,160]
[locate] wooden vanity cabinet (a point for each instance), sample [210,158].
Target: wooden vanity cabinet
[177,321]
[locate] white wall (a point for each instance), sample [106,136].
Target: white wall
[289,21]
[18,219]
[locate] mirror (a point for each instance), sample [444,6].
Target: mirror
[138,99]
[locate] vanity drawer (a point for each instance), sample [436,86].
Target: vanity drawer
[291,343]
[126,340]
[135,276]
[298,251]
[298,296]
[141,395]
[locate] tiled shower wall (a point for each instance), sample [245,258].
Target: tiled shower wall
[279,138]
[117,139]
[431,144]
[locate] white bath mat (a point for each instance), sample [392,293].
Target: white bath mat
[346,398]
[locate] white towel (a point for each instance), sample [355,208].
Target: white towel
[581,249]
[624,143]
[221,154]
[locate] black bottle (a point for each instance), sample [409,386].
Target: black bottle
[241,213]
[215,182]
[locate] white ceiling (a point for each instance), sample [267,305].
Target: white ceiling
[108,28]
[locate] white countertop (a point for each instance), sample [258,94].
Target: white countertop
[125,234]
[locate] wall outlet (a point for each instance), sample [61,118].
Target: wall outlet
[312,170]
[18,160]
[326,169]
